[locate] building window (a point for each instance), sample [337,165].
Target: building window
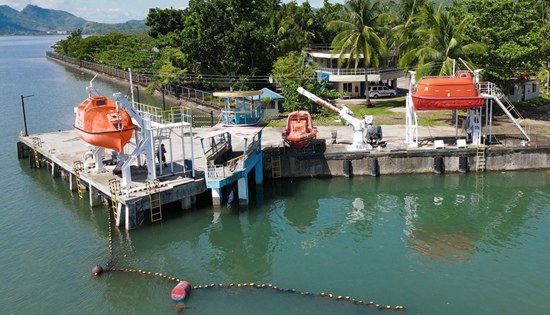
[347,87]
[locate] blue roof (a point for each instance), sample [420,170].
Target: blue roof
[267,93]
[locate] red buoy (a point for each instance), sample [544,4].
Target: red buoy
[97,270]
[180,291]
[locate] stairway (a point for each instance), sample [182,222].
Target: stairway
[491,91]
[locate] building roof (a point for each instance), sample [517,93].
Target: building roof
[267,93]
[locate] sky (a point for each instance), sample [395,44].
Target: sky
[112,11]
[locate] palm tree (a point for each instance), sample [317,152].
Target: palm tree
[444,41]
[358,38]
[407,18]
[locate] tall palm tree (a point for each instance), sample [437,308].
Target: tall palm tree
[358,38]
[444,41]
[407,20]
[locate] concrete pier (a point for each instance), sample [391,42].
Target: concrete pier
[59,151]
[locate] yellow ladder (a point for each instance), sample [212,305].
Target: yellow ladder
[78,167]
[36,143]
[114,188]
[276,171]
[480,159]
[154,200]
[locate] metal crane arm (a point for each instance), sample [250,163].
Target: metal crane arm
[344,112]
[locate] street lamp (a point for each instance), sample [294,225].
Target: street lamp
[24,116]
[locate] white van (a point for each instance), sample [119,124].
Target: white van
[376,91]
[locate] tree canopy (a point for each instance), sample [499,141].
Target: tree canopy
[217,44]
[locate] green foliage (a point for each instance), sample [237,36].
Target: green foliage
[516,33]
[291,72]
[71,45]
[250,38]
[359,31]
[444,41]
[229,37]
[170,68]
[164,21]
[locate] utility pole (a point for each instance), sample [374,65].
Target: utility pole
[24,115]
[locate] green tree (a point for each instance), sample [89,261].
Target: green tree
[290,72]
[164,21]
[444,40]
[70,46]
[514,32]
[229,37]
[407,21]
[358,36]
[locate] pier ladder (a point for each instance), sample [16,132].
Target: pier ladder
[276,171]
[480,159]
[154,200]
[36,142]
[78,167]
[114,188]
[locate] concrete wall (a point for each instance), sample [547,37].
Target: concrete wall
[406,162]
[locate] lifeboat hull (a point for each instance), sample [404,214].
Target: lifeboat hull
[427,103]
[447,93]
[299,131]
[99,123]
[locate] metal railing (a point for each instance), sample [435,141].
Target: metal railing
[179,91]
[358,71]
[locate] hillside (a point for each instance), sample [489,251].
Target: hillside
[34,20]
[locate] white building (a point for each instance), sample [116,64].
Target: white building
[346,78]
[524,90]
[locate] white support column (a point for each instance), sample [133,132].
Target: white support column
[98,153]
[411,128]
[192,150]
[127,218]
[243,190]
[217,196]
[72,182]
[473,129]
[119,214]
[94,196]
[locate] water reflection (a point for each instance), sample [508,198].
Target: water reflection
[477,214]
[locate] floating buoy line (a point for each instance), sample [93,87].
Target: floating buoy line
[98,270]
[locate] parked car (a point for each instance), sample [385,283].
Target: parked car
[376,91]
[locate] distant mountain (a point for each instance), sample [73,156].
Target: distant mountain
[36,20]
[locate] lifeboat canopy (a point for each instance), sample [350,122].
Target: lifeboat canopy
[101,123]
[447,93]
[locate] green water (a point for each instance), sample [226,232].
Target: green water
[453,244]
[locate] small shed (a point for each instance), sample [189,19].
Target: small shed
[524,90]
[272,109]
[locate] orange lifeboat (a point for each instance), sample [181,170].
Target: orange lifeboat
[100,123]
[444,93]
[299,131]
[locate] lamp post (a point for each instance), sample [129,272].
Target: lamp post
[24,116]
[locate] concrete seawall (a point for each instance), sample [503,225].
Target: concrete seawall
[405,162]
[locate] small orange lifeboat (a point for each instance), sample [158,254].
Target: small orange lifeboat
[444,93]
[299,131]
[100,123]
